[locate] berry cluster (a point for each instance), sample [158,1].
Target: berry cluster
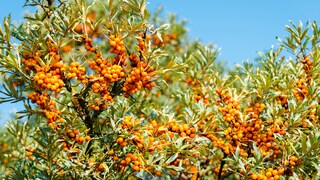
[52,115]
[40,99]
[198,95]
[74,135]
[128,122]
[229,108]
[132,160]
[76,70]
[143,41]
[301,91]
[53,52]
[310,117]
[134,59]
[283,100]
[138,78]
[88,45]
[113,73]
[183,130]
[166,38]
[293,160]
[46,77]
[307,64]
[269,174]
[29,153]
[118,48]
[49,80]
[31,61]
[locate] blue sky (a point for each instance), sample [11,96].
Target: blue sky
[239,28]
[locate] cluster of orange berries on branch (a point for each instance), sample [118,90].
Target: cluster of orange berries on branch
[198,95]
[193,82]
[76,70]
[130,159]
[52,115]
[311,117]
[40,99]
[186,163]
[49,80]
[118,48]
[307,64]
[89,46]
[197,90]
[166,38]
[283,100]
[301,91]
[53,52]
[138,78]
[134,59]
[255,110]
[74,135]
[270,174]
[252,130]
[252,127]
[69,146]
[138,140]
[99,103]
[121,141]
[143,41]
[184,130]
[100,86]
[29,153]
[230,108]
[293,160]
[66,146]
[113,73]
[31,61]
[128,122]
[220,143]
[266,142]
[100,168]
[50,112]
[107,74]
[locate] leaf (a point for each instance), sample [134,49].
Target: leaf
[304,143]
[172,158]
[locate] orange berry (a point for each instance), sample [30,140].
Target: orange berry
[158,173]
[268,174]
[123,144]
[100,167]
[136,168]
[111,152]
[87,138]
[71,135]
[254,177]
[120,140]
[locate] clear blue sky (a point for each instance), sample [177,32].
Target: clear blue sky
[239,28]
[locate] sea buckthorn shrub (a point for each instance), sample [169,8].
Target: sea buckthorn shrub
[111,91]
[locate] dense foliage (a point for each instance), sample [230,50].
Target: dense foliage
[111,91]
